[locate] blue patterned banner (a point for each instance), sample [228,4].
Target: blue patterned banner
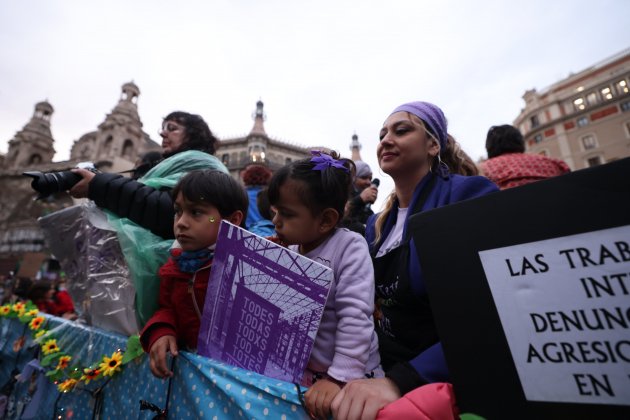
[201,387]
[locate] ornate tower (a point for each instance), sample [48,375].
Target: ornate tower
[355,148]
[120,136]
[257,138]
[34,143]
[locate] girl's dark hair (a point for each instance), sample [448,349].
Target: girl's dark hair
[215,188]
[198,134]
[328,188]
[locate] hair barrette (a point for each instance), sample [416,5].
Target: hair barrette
[323,161]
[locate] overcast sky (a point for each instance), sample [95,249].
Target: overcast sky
[324,69]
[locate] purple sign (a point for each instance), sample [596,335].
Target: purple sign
[263,305]
[253,333]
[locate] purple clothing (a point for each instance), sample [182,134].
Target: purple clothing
[346,346]
[430,365]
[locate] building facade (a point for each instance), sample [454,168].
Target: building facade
[114,146]
[257,148]
[583,119]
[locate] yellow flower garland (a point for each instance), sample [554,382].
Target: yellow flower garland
[111,365]
[27,313]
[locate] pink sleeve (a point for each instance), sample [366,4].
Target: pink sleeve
[430,402]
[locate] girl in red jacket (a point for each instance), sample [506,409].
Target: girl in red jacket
[201,200]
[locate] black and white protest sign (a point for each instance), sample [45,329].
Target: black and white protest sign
[564,304]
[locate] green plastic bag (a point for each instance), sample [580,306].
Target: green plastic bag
[144,251]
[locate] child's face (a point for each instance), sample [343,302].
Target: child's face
[196,224]
[295,224]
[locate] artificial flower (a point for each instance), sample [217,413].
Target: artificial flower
[19,307]
[50,347]
[63,362]
[67,385]
[111,365]
[90,375]
[32,312]
[36,323]
[5,309]
[40,333]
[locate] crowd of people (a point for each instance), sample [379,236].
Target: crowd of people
[377,339]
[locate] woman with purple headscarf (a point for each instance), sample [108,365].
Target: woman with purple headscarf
[414,150]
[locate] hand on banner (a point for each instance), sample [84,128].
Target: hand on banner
[363,398]
[157,355]
[319,397]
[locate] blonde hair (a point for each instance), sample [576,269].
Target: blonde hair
[453,156]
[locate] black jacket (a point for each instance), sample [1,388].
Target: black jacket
[148,207]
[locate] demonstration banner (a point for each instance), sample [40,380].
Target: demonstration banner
[530,289]
[263,305]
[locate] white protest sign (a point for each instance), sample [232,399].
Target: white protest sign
[564,304]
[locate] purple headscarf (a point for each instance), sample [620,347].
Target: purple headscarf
[431,115]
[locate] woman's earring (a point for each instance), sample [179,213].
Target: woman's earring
[211,219]
[442,168]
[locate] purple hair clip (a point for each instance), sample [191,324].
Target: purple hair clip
[323,161]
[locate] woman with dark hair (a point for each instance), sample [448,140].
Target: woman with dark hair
[141,211]
[187,144]
[415,151]
[255,178]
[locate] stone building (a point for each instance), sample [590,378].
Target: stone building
[115,145]
[257,147]
[583,119]
[355,148]
[119,138]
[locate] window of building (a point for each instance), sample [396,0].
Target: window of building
[594,161]
[225,158]
[534,121]
[591,98]
[622,87]
[582,121]
[127,150]
[589,142]
[625,106]
[579,104]
[538,138]
[35,159]
[606,93]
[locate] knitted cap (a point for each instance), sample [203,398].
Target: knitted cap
[431,115]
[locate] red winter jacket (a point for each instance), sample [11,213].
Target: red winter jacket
[177,315]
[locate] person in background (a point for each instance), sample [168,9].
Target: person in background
[364,194]
[509,166]
[201,200]
[264,227]
[141,212]
[415,151]
[187,144]
[145,163]
[308,198]
[255,177]
[43,294]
